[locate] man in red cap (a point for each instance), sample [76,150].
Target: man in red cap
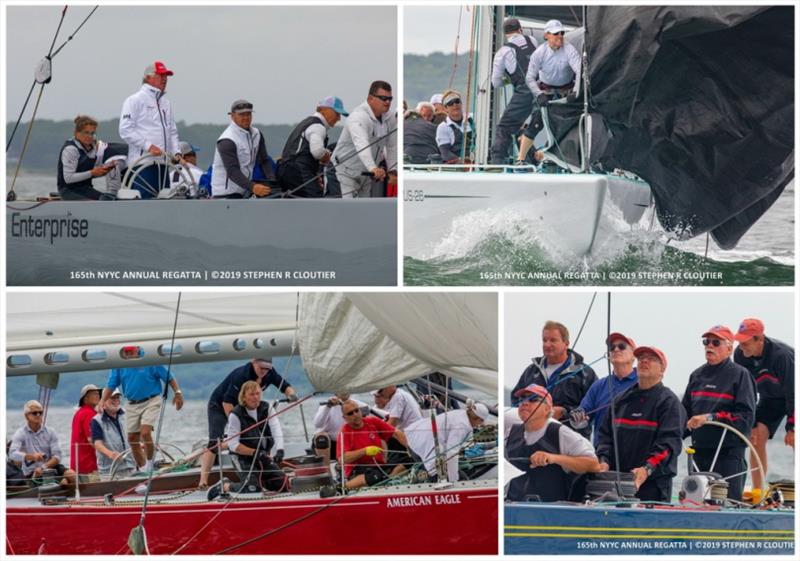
[148,126]
[771,363]
[594,405]
[560,370]
[551,455]
[648,420]
[724,392]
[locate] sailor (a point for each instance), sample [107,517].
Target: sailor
[240,153]
[141,386]
[78,162]
[403,409]
[419,135]
[35,448]
[455,134]
[360,448]
[187,173]
[551,455]
[259,447]
[594,405]
[148,126]
[509,66]
[724,392]
[328,422]
[454,428]
[82,458]
[109,437]
[648,420]
[370,135]
[225,396]
[561,371]
[771,363]
[554,70]
[306,151]
[439,113]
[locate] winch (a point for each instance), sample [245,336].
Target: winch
[703,487]
[310,473]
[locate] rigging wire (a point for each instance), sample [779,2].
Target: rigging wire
[612,411]
[455,50]
[585,317]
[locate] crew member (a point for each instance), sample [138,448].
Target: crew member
[560,370]
[306,151]
[595,404]
[328,422]
[142,388]
[35,448]
[370,135]
[553,70]
[724,392]
[109,438]
[419,135]
[551,455]
[771,363]
[82,458]
[360,448]
[240,156]
[225,397]
[648,420]
[78,162]
[401,406]
[454,135]
[148,126]
[510,65]
[186,172]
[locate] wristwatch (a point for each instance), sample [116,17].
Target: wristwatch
[178,392]
[710,417]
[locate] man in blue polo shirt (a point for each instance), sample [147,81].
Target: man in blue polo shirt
[225,397]
[142,387]
[596,403]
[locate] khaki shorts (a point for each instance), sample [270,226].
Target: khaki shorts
[145,413]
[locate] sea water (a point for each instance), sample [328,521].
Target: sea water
[503,248]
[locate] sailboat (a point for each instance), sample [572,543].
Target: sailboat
[348,342]
[663,127]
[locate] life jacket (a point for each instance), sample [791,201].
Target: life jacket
[460,139]
[523,54]
[547,483]
[252,431]
[85,163]
[298,165]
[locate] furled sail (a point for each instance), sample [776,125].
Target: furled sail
[356,342]
[699,101]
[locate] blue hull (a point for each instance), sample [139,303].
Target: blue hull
[578,530]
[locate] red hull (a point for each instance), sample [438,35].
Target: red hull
[460,521]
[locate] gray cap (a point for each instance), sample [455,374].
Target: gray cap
[241,106]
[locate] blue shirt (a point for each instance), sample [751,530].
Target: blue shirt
[140,382]
[228,390]
[597,397]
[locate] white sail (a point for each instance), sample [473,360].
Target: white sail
[357,342]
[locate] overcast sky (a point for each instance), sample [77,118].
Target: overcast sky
[672,322]
[283,59]
[427,29]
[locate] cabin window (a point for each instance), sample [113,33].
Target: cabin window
[207,347]
[164,350]
[57,357]
[94,355]
[239,344]
[131,352]
[18,361]
[259,343]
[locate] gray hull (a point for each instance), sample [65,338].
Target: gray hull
[326,242]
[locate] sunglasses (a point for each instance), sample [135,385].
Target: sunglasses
[89,133]
[714,342]
[352,412]
[617,346]
[453,102]
[384,97]
[533,398]
[36,413]
[243,107]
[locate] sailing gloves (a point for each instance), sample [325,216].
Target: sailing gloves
[578,418]
[372,450]
[542,99]
[278,456]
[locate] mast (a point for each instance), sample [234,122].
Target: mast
[486,31]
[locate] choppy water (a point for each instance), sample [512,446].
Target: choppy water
[485,248]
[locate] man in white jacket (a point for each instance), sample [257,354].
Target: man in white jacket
[369,136]
[148,126]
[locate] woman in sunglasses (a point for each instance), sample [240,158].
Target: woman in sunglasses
[721,391]
[35,448]
[78,162]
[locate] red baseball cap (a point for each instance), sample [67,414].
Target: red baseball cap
[158,67]
[537,390]
[614,336]
[720,331]
[748,328]
[658,352]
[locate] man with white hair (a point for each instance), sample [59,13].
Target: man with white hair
[35,448]
[147,124]
[554,70]
[439,113]
[454,428]
[419,135]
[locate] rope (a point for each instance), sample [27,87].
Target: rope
[455,50]
[585,317]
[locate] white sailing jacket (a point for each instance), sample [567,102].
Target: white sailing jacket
[246,151]
[146,120]
[360,129]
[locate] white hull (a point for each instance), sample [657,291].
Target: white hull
[567,207]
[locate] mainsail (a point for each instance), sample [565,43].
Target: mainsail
[699,101]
